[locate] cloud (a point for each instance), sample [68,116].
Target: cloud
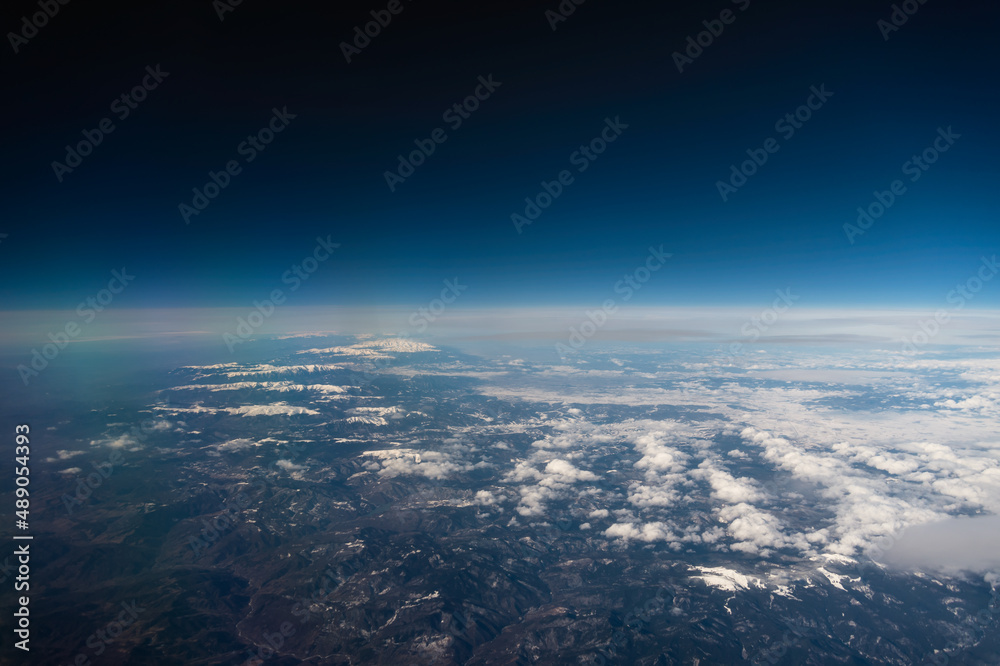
[119,442]
[436,465]
[64,455]
[949,546]
[237,445]
[753,531]
[843,446]
[559,472]
[648,532]
[725,487]
[485,498]
[982,403]
[549,483]
[836,452]
[652,496]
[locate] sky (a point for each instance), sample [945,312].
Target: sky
[548,86]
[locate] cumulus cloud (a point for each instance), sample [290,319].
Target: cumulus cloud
[64,455]
[663,467]
[485,498]
[657,457]
[409,462]
[547,483]
[648,532]
[753,531]
[237,445]
[558,472]
[290,466]
[725,487]
[989,402]
[294,469]
[652,496]
[841,442]
[117,442]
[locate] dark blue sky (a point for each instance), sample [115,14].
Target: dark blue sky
[655,184]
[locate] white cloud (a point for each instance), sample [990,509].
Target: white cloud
[409,462]
[559,472]
[545,483]
[725,487]
[950,546]
[485,498]
[119,442]
[64,455]
[237,445]
[648,532]
[753,531]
